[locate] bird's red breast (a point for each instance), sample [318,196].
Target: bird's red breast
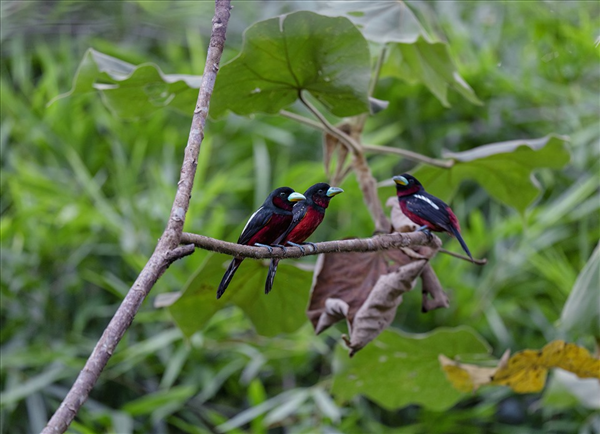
[304,229]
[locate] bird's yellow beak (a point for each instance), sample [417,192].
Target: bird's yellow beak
[333,191]
[400,180]
[296,197]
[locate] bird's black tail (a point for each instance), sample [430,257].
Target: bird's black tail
[235,263]
[271,275]
[459,237]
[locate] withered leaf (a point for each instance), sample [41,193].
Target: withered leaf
[467,377]
[400,222]
[363,287]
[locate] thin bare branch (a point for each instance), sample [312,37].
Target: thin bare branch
[394,240]
[375,149]
[463,257]
[167,249]
[409,155]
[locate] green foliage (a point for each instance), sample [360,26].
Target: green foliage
[416,56]
[131,91]
[407,368]
[282,56]
[271,315]
[581,314]
[85,195]
[503,169]
[431,64]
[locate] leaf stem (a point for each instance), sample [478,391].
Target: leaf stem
[352,144]
[377,71]
[301,119]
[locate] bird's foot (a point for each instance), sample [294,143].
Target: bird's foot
[297,245]
[426,231]
[281,247]
[313,245]
[269,248]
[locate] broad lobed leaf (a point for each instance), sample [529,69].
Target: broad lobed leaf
[133,91]
[503,169]
[278,312]
[398,369]
[282,56]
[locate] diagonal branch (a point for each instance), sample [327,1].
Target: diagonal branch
[409,155]
[394,240]
[167,249]
[375,149]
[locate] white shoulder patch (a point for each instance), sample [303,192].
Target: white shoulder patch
[426,199]
[251,218]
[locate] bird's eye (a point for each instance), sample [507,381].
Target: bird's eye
[281,194]
[320,191]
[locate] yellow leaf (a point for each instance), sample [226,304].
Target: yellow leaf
[526,371]
[571,357]
[466,377]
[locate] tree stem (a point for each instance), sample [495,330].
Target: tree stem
[167,249]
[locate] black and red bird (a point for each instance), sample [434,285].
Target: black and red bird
[267,224]
[308,215]
[426,210]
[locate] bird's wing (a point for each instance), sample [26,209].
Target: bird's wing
[430,208]
[256,222]
[298,213]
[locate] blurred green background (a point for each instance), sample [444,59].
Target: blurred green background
[86,194]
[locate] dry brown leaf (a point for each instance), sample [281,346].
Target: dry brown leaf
[363,287]
[400,222]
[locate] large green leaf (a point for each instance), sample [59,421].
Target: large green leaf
[281,311]
[381,22]
[503,169]
[398,369]
[428,63]
[133,91]
[415,56]
[581,314]
[326,56]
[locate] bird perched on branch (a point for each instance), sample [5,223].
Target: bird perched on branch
[429,212]
[308,215]
[267,224]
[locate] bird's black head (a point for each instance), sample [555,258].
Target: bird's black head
[322,193]
[284,198]
[406,184]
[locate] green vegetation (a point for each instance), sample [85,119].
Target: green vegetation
[87,184]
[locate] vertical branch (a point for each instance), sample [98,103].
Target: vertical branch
[166,250]
[368,187]
[365,178]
